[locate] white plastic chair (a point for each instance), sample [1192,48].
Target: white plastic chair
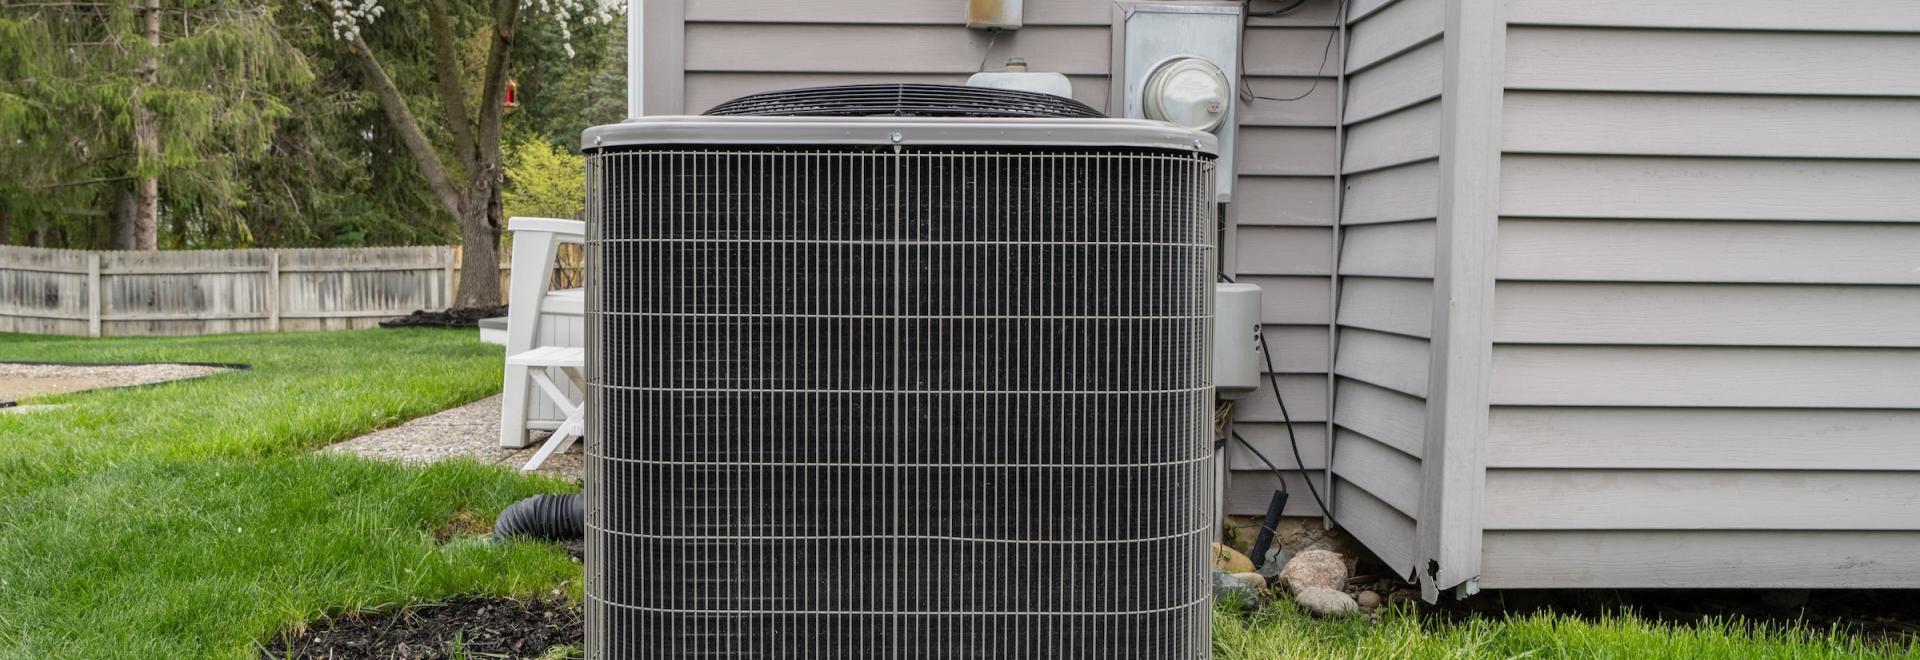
[536,318]
[540,362]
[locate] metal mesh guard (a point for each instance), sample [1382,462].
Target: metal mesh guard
[923,403]
[903,100]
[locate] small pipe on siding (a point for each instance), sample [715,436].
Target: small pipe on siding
[636,59]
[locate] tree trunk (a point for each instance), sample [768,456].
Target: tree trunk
[146,138]
[6,225]
[122,218]
[479,257]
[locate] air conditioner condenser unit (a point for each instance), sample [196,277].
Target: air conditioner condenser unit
[934,383]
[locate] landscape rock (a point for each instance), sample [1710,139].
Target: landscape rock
[1315,568]
[1326,602]
[1367,599]
[1228,589]
[1255,580]
[1296,534]
[1276,561]
[1229,560]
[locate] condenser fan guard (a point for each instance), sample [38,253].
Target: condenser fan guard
[904,100]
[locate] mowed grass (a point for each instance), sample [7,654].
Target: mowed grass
[192,519]
[1281,630]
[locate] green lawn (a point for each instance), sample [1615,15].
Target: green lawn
[188,519]
[1282,631]
[192,520]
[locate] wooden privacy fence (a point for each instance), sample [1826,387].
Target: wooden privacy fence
[193,292]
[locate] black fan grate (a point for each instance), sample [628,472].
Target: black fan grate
[904,100]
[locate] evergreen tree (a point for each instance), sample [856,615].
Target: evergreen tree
[131,111]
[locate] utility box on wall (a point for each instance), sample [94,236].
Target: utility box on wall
[1177,63]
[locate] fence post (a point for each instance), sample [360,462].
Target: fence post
[452,256]
[93,294]
[273,290]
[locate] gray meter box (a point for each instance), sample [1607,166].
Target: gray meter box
[1148,35]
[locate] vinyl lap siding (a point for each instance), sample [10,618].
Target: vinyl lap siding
[737,47]
[1386,269]
[1283,240]
[1707,325]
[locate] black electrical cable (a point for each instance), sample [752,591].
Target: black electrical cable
[1279,476]
[1247,94]
[1274,12]
[1244,442]
[1273,381]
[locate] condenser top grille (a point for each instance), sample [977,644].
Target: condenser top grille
[997,134]
[904,100]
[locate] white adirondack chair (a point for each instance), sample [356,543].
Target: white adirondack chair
[540,364]
[537,318]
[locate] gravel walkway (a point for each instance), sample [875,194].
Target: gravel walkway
[22,380]
[471,431]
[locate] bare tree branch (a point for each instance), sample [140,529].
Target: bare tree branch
[492,106]
[403,123]
[453,88]
[81,182]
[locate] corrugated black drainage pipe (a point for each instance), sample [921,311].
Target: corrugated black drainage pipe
[544,517]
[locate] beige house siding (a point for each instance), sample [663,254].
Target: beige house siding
[738,47]
[1384,317]
[1283,216]
[1707,322]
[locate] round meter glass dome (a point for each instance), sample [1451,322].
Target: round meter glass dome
[1188,92]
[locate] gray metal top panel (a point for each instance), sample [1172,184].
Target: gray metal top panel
[911,131]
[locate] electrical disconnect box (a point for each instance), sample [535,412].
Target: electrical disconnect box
[1178,63]
[1236,339]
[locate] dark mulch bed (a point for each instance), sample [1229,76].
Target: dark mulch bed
[458,317]
[485,627]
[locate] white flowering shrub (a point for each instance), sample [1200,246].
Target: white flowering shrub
[350,15]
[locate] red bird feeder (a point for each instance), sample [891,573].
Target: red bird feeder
[513,95]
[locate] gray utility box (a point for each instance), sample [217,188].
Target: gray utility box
[1237,360]
[1145,36]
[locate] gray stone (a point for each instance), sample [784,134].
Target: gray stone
[1367,599]
[1326,602]
[1228,589]
[1276,561]
[1255,580]
[1315,568]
